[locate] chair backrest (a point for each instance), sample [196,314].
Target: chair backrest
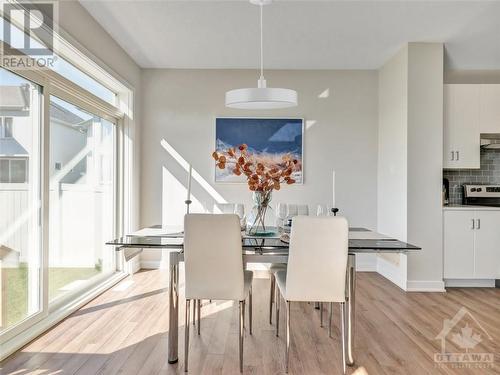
[213,257]
[317,259]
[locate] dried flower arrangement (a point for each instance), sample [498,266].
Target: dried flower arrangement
[262,178]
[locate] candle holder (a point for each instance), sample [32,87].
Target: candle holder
[188,202]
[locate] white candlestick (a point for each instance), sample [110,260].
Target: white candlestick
[333,190]
[189,183]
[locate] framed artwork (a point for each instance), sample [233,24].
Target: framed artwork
[268,140]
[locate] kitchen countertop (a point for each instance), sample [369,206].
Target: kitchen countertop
[461,207]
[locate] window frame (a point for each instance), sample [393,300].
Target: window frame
[122,116]
[10,159]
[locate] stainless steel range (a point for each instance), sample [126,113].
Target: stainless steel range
[482,195]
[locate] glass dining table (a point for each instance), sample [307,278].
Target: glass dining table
[269,249]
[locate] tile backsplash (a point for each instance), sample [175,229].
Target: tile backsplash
[488,174]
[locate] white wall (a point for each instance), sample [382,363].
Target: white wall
[392,161]
[410,163]
[392,150]
[425,164]
[340,109]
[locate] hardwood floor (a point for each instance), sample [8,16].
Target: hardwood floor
[124,331]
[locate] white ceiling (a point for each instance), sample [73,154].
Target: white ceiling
[299,34]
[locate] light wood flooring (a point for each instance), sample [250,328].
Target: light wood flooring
[124,331]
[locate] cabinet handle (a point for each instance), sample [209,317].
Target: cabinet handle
[458,155]
[453,156]
[473,224]
[478,226]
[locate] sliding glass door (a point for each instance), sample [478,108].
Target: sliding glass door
[20,200]
[82,186]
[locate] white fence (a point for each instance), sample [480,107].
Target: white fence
[81,221]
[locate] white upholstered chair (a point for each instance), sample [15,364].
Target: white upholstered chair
[214,267]
[290,209]
[317,264]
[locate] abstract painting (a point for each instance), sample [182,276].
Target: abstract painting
[268,140]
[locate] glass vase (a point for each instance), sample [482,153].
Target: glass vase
[256,225]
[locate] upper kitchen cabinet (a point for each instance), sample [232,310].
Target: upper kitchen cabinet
[461,126]
[489,114]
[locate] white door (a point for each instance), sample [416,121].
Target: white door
[490,109]
[458,245]
[465,126]
[487,245]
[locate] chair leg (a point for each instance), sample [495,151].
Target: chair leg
[186,334]
[199,316]
[194,312]
[343,339]
[244,307]
[271,298]
[277,303]
[242,319]
[287,353]
[250,309]
[330,322]
[321,314]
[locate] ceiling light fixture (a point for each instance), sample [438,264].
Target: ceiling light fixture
[261,97]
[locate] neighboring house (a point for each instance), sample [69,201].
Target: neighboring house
[75,176]
[14,114]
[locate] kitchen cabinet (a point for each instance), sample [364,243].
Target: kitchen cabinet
[458,245]
[489,109]
[487,245]
[472,244]
[461,127]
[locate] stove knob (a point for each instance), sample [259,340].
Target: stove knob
[473,189]
[479,189]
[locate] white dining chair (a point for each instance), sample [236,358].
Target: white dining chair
[283,209]
[316,271]
[213,259]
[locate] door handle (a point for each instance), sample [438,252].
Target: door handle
[453,156]
[473,224]
[458,155]
[478,226]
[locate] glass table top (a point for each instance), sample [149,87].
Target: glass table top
[360,240]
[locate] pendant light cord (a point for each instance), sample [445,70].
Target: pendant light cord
[261,44]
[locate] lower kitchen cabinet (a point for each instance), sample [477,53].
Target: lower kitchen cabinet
[487,245]
[471,244]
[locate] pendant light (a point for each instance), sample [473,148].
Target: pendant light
[261,97]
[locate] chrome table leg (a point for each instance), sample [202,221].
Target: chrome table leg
[321,314]
[240,331]
[277,301]
[173,317]
[350,307]
[330,320]
[271,298]
[186,336]
[199,316]
[287,353]
[250,310]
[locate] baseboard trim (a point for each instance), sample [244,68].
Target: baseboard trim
[154,264]
[425,286]
[150,264]
[469,283]
[366,267]
[396,273]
